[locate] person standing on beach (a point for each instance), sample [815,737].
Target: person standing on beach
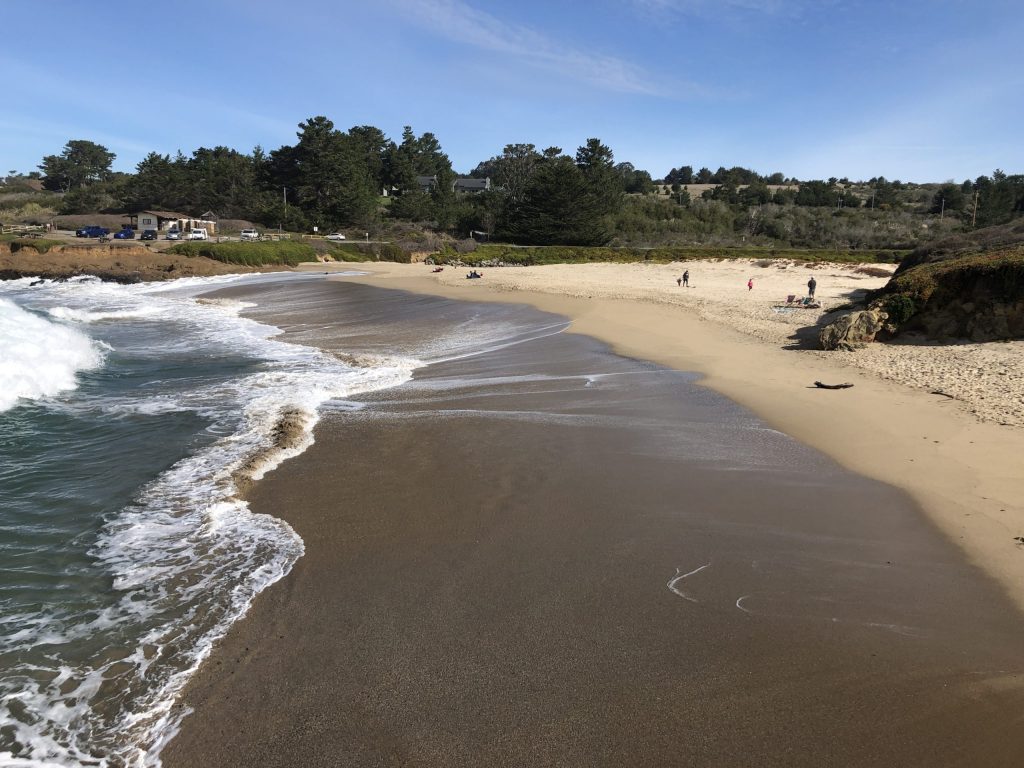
[811,285]
[750,284]
[685,279]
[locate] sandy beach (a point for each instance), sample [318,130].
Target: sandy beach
[545,555]
[959,455]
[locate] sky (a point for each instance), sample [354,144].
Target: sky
[917,90]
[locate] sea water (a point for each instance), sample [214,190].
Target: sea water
[129,417]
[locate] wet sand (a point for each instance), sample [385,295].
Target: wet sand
[552,555]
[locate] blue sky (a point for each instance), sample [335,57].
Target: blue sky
[917,90]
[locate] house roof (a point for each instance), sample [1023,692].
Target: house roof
[162,214]
[467,182]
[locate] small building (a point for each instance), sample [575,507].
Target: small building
[463,184]
[166,220]
[426,183]
[471,186]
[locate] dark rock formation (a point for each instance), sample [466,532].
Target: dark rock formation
[977,320]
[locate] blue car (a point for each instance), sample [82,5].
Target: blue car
[92,231]
[125,234]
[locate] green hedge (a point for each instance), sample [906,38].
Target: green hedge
[282,252]
[582,254]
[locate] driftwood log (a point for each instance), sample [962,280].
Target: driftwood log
[832,386]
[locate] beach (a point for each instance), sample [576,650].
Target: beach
[552,551]
[958,457]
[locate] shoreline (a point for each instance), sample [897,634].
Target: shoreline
[530,614]
[964,473]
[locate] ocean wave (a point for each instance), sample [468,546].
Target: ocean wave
[39,358]
[187,556]
[95,316]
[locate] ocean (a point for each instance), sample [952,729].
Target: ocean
[129,417]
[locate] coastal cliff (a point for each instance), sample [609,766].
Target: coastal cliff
[119,262]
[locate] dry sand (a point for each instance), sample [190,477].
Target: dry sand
[961,459]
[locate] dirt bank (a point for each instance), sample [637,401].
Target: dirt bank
[127,262]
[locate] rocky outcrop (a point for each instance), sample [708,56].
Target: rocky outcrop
[977,320]
[852,330]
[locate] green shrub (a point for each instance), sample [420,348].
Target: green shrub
[900,308]
[391,252]
[257,254]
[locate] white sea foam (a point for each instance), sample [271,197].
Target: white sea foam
[95,316]
[39,358]
[187,557]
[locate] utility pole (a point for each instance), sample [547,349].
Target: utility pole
[974,215]
[942,211]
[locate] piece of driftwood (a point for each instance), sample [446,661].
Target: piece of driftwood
[832,386]
[944,394]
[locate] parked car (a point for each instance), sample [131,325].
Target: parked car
[250,234]
[148,234]
[173,234]
[125,234]
[335,236]
[198,234]
[92,231]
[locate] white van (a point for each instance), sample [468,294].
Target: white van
[198,234]
[250,234]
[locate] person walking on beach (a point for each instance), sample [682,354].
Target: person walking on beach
[750,284]
[811,285]
[685,279]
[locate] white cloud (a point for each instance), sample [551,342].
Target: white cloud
[714,7]
[460,22]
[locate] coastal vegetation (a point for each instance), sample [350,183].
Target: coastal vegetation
[284,252]
[360,178]
[533,255]
[37,244]
[963,287]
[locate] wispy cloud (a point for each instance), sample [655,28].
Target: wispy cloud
[713,7]
[462,23]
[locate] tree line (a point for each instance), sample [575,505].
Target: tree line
[331,178]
